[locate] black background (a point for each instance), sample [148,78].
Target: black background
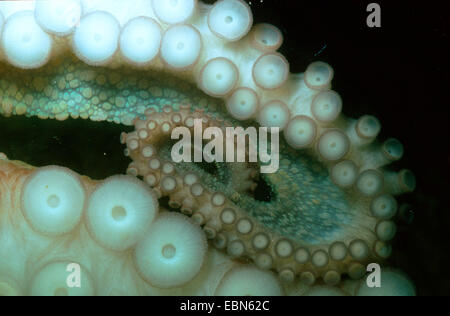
[399,73]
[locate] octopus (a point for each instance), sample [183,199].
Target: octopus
[313,227]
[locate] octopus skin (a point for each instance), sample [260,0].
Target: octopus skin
[157,65]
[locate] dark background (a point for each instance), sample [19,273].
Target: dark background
[399,73]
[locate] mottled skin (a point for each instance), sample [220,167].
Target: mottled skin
[302,203]
[303,206]
[67,86]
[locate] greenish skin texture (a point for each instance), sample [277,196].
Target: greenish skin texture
[304,205]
